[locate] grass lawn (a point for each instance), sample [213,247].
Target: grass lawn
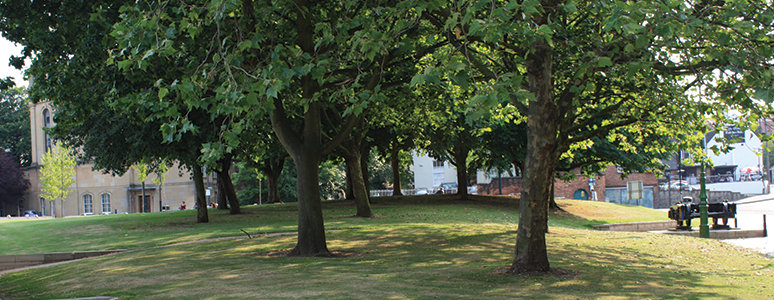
[417,247]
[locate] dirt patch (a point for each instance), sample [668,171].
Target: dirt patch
[553,272]
[331,254]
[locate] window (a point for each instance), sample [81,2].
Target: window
[88,207]
[46,124]
[437,163]
[105,203]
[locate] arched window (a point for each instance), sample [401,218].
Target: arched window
[88,206]
[580,194]
[46,124]
[105,203]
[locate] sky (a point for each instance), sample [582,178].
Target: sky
[7,48]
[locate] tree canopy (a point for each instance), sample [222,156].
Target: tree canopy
[585,70]
[15,124]
[12,181]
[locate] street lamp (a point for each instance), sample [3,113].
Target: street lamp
[704,224]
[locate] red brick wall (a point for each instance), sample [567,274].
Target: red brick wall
[564,189]
[510,186]
[614,178]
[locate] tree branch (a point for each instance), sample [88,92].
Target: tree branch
[281,125]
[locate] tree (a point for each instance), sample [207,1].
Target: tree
[15,125]
[312,58]
[57,175]
[111,107]
[583,69]
[453,135]
[12,181]
[398,127]
[351,151]
[226,185]
[161,176]
[142,173]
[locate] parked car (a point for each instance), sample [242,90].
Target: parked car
[31,213]
[676,186]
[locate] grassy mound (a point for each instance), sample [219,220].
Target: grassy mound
[416,247]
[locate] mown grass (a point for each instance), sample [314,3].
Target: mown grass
[415,248]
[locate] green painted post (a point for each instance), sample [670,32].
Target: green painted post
[704,226]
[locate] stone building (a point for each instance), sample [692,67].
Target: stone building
[94,192]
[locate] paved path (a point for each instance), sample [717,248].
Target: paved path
[750,213]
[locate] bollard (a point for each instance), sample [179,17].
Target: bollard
[765,233]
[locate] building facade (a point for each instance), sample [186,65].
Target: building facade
[609,186]
[95,192]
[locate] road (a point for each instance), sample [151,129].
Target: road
[750,212]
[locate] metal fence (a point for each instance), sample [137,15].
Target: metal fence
[472,190]
[664,200]
[388,192]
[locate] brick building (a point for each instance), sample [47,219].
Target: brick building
[608,187]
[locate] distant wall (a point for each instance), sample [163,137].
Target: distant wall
[664,201]
[742,187]
[8,262]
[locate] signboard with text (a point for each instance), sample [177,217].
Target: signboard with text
[734,134]
[634,189]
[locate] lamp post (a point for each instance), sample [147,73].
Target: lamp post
[669,186]
[704,226]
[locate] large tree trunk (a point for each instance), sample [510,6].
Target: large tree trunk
[273,190]
[531,252]
[273,170]
[201,198]
[461,161]
[395,164]
[228,186]
[358,185]
[311,230]
[306,151]
[222,197]
[349,194]
[552,205]
[365,155]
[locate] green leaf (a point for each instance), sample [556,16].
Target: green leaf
[163,92]
[124,64]
[247,44]
[545,30]
[604,61]
[628,48]
[764,94]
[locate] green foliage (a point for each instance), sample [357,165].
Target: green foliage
[13,184]
[380,172]
[332,179]
[246,183]
[142,171]
[248,178]
[161,172]
[57,174]
[15,125]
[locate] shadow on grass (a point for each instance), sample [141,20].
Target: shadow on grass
[412,260]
